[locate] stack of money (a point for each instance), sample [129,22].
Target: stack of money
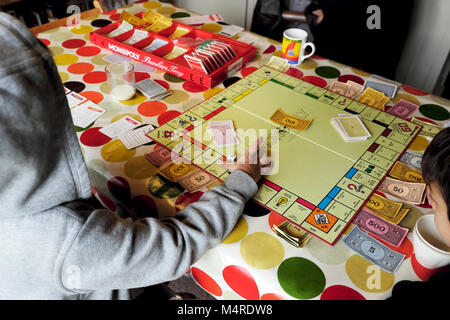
[373,98]
[290,121]
[278,63]
[428,129]
[410,192]
[403,172]
[389,210]
[350,89]
[292,234]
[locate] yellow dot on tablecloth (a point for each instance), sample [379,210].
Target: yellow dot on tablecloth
[81,29]
[211,27]
[177,96]
[238,233]
[115,151]
[64,76]
[261,250]
[277,53]
[276,42]
[209,93]
[98,59]
[366,276]
[406,97]
[419,144]
[61,36]
[56,50]
[95,16]
[360,72]
[152,5]
[139,168]
[166,10]
[49,31]
[123,115]
[308,64]
[65,59]
[137,99]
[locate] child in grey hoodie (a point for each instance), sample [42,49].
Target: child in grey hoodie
[53,245]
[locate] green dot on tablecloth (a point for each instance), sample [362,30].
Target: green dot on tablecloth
[301,278]
[162,188]
[171,78]
[434,111]
[327,72]
[180,15]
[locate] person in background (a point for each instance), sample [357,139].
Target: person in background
[54,243]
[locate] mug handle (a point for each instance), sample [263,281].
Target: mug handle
[313,47]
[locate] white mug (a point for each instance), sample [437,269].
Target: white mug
[294,44]
[430,249]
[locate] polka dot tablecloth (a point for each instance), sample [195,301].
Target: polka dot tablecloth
[252,262]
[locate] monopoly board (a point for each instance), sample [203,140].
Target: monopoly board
[319,181]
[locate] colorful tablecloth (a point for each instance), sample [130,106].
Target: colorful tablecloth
[252,262]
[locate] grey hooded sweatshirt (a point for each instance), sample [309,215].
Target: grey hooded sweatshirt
[52,245]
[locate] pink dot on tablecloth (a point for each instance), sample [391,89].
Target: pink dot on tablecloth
[73,43]
[115,16]
[315,81]
[106,201]
[139,76]
[246,71]
[88,51]
[414,91]
[167,116]
[45,41]
[241,281]
[206,282]
[295,72]
[151,108]
[270,49]
[165,84]
[95,77]
[193,87]
[346,77]
[94,138]
[339,292]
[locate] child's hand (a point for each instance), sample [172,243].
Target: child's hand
[252,163]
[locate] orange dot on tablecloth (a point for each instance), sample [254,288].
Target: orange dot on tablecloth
[167,116]
[271,296]
[94,96]
[206,282]
[316,81]
[414,91]
[80,68]
[275,219]
[73,43]
[88,51]
[193,87]
[151,108]
[241,281]
[94,138]
[95,77]
[246,71]
[45,41]
[339,292]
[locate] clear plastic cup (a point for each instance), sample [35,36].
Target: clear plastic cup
[120,80]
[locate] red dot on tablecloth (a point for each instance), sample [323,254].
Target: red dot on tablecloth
[73,43]
[88,51]
[94,96]
[405,248]
[80,68]
[151,108]
[275,219]
[295,72]
[193,87]
[426,120]
[95,77]
[246,71]
[107,202]
[115,16]
[271,296]
[167,116]
[144,206]
[45,41]
[165,84]
[346,77]
[339,292]
[206,282]
[424,273]
[139,76]
[315,56]
[414,91]
[316,81]
[94,138]
[270,49]
[186,199]
[120,189]
[241,281]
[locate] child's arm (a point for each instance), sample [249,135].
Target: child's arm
[115,253]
